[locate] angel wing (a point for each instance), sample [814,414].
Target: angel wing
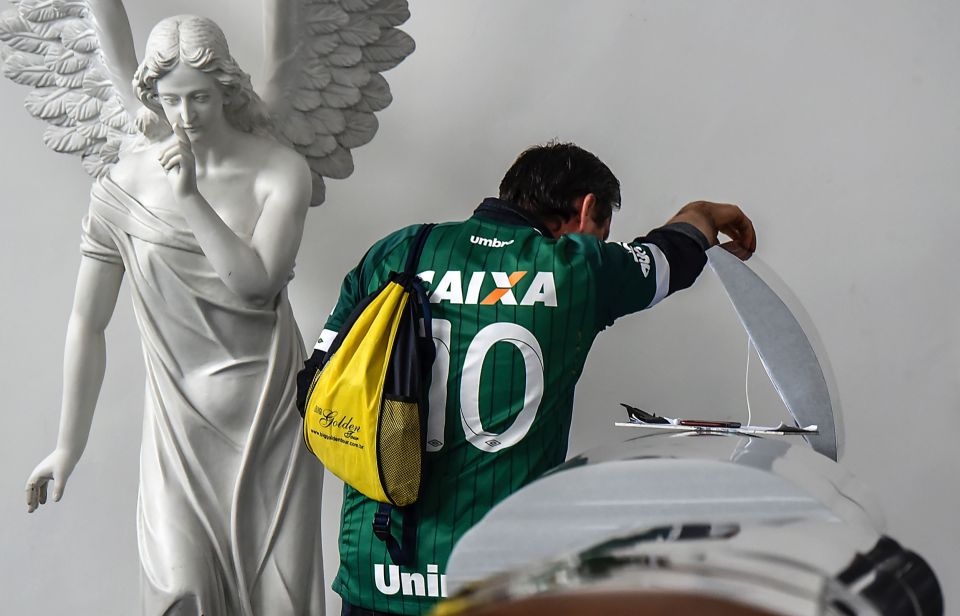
[78,57]
[323,65]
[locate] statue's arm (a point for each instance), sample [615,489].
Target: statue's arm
[254,268]
[286,188]
[98,285]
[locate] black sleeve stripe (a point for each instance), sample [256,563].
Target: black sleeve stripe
[684,247]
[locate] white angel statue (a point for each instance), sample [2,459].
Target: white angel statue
[200,198]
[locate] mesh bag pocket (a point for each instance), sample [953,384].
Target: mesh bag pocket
[399,450]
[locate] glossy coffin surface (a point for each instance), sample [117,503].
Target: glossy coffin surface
[661,480]
[767,523]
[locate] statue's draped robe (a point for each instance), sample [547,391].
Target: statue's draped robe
[229,506]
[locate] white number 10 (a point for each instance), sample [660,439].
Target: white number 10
[473,430]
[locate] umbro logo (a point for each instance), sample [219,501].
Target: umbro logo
[494,243]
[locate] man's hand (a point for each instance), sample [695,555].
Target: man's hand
[714,218]
[180,164]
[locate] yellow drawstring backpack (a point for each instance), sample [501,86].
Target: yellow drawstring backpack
[365,412]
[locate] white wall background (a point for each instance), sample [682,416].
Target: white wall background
[836,125]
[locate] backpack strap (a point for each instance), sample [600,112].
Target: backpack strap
[403,552]
[416,249]
[420,295]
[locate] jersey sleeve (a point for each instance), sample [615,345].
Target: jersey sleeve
[636,275]
[386,255]
[357,284]
[349,297]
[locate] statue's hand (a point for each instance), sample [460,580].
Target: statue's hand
[56,467]
[180,164]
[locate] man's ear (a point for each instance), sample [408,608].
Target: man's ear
[581,222]
[587,205]
[589,214]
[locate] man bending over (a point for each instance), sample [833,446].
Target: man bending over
[518,293]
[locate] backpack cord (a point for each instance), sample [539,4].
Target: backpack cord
[403,552]
[419,240]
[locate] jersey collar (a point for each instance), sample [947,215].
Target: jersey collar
[501,211]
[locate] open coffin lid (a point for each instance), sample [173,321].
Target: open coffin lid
[788,346]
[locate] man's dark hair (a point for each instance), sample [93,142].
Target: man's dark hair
[545,180]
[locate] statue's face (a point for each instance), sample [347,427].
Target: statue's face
[193,99]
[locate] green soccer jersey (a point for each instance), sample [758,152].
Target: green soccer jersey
[515,312]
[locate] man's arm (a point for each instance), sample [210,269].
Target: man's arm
[685,238]
[714,218]
[349,296]
[357,284]
[639,274]
[351,292]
